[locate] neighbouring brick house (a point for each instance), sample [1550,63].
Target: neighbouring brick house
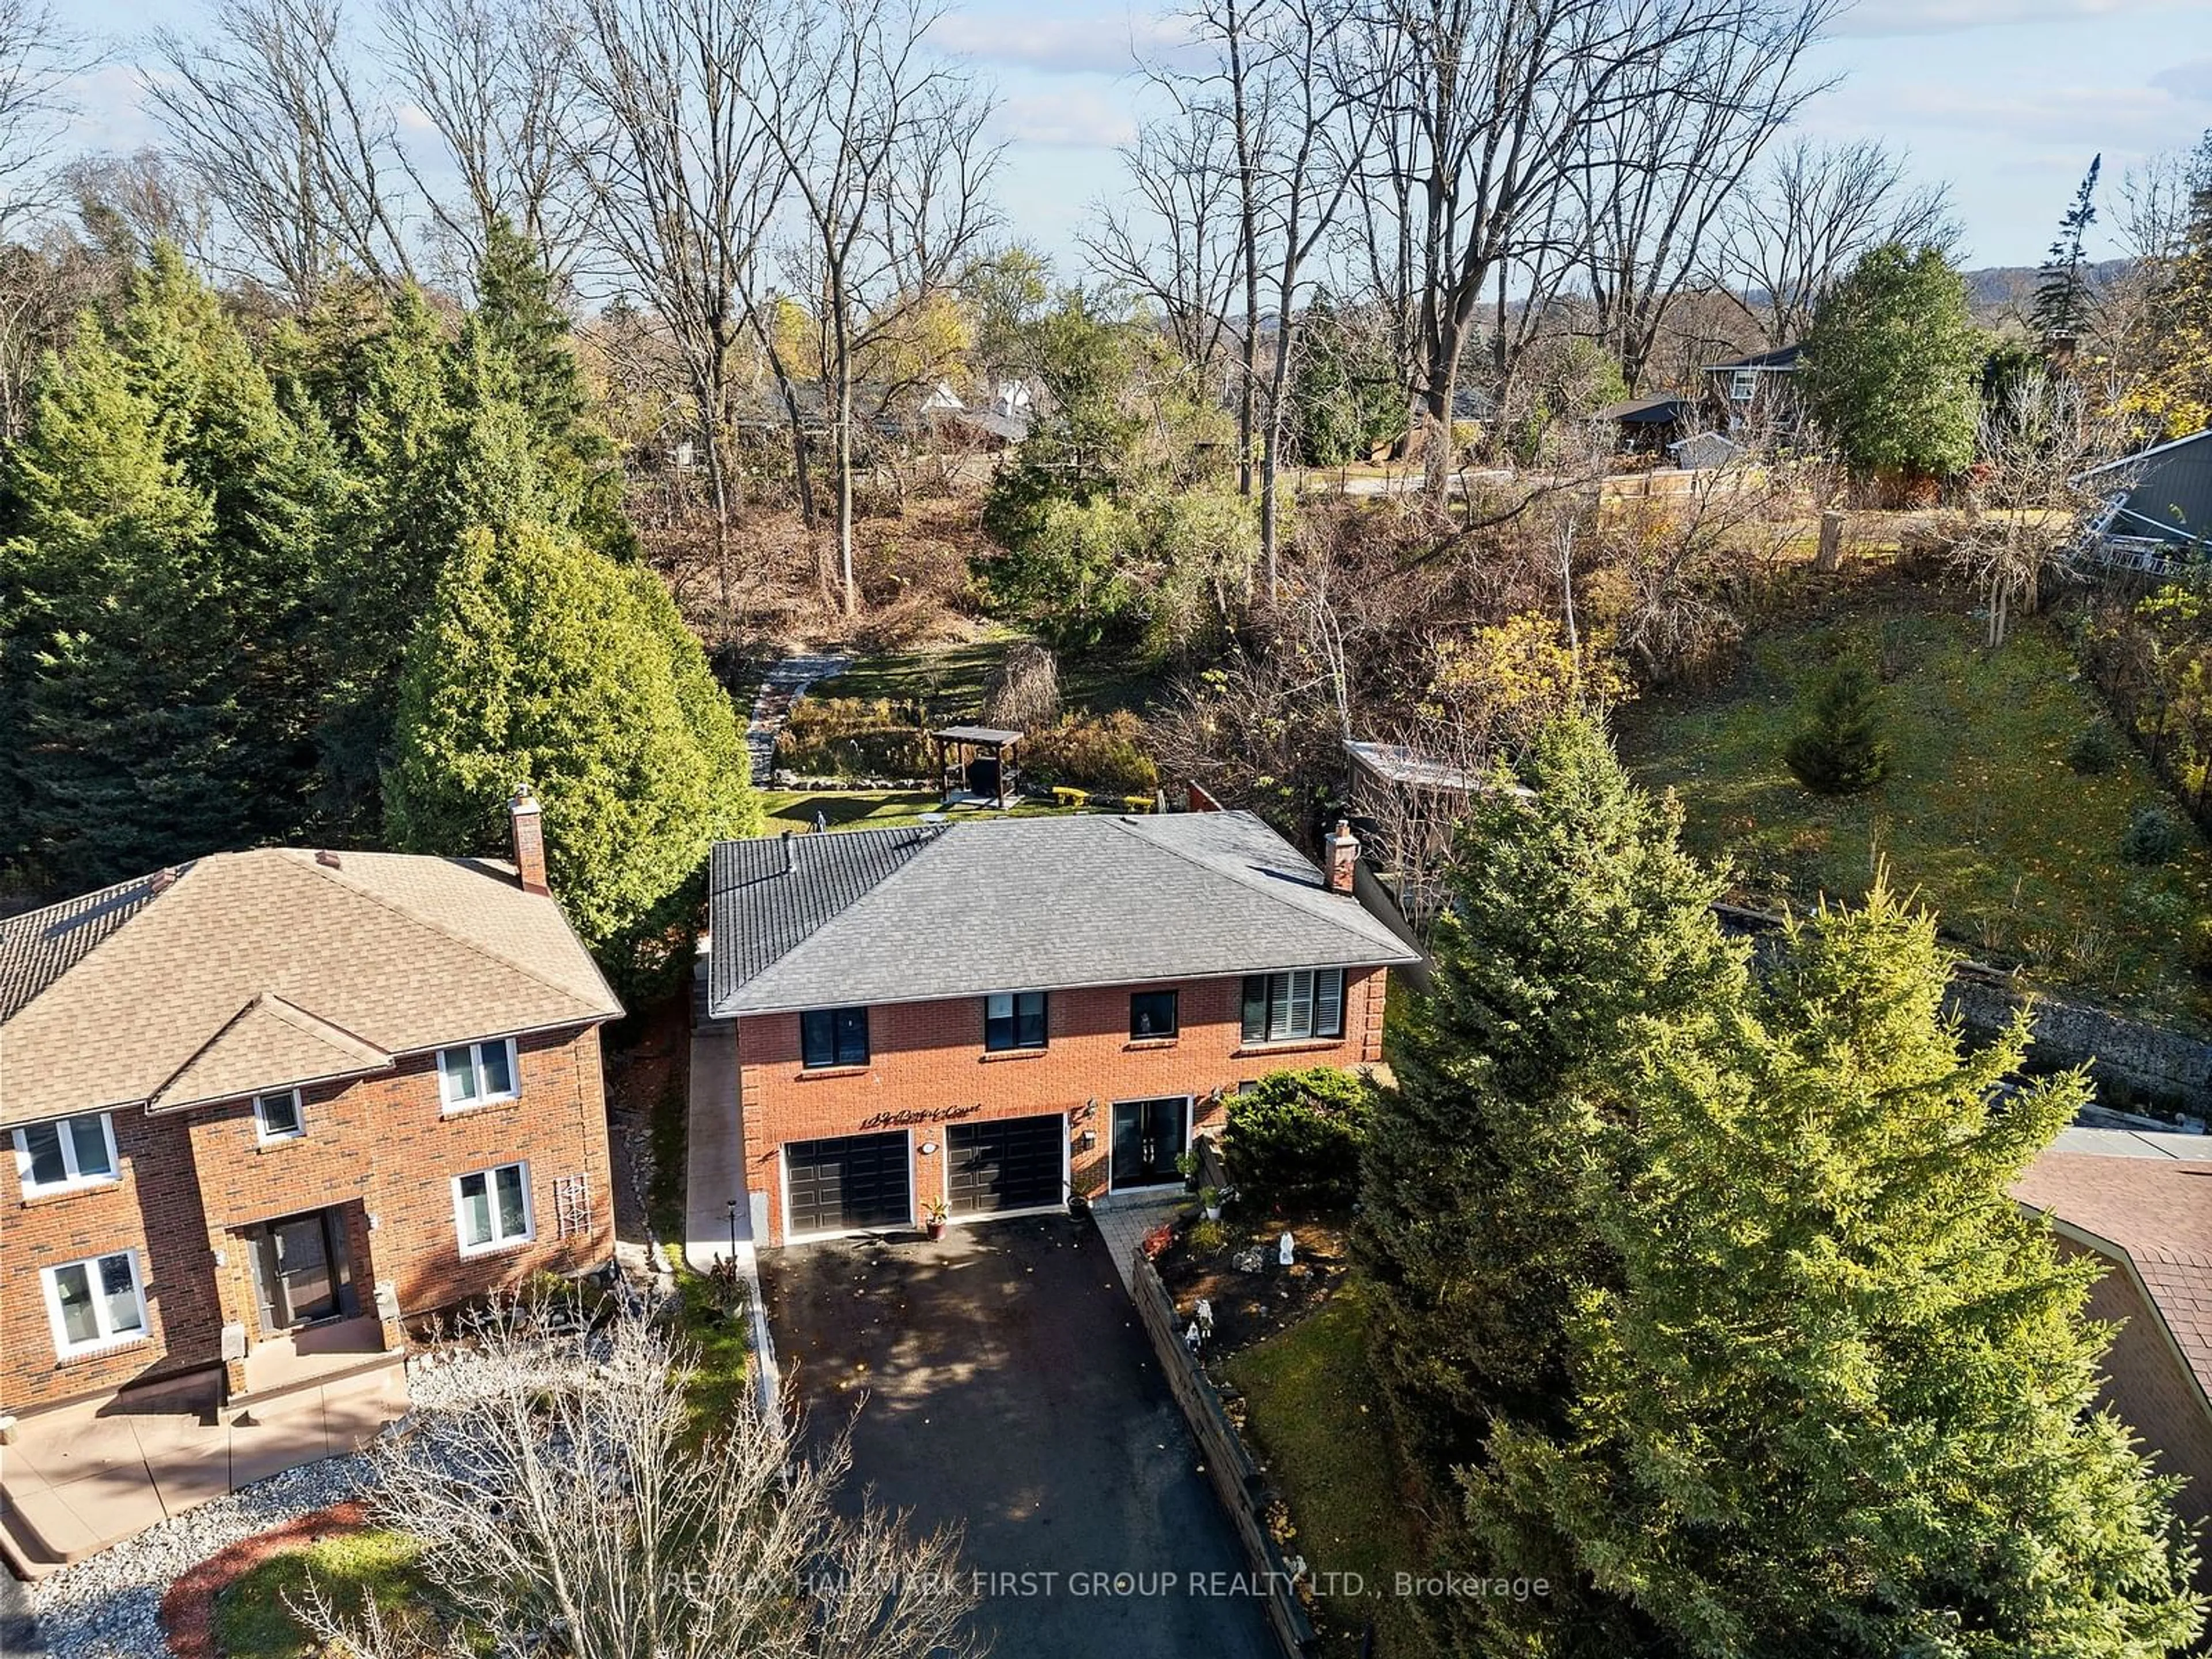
[981,1015]
[272,1090]
[2141,1204]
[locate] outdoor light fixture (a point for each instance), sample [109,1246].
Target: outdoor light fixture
[929,1149]
[1090,1139]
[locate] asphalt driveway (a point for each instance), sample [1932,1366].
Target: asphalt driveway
[1001,1381]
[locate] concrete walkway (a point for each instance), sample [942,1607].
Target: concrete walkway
[1124,1219]
[714,1179]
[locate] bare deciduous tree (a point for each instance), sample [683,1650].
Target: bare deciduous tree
[39,51]
[568,1508]
[888,174]
[265,110]
[2025,511]
[686,183]
[1809,215]
[496,80]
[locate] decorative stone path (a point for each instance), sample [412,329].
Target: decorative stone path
[784,683]
[1124,1219]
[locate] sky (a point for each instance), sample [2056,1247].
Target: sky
[2005,100]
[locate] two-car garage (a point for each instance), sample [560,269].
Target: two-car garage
[865,1184]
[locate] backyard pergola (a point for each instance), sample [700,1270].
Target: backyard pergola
[975,763]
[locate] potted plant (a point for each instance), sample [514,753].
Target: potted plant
[1187,1167]
[1210,1197]
[934,1215]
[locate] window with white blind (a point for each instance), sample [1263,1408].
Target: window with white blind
[491,1208]
[1304,1003]
[476,1074]
[65,1154]
[95,1304]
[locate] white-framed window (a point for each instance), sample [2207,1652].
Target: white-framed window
[97,1302]
[1743,386]
[65,1154]
[1307,1002]
[491,1208]
[476,1074]
[278,1116]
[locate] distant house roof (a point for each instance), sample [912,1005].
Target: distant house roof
[248,971]
[1780,362]
[1394,762]
[1703,449]
[1472,402]
[1654,410]
[2145,1200]
[2168,489]
[869,916]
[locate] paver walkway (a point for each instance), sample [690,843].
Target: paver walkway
[781,686]
[1124,1219]
[715,1178]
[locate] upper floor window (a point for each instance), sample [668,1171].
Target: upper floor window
[277,1115]
[95,1303]
[1307,1002]
[1153,1014]
[68,1153]
[477,1072]
[833,1036]
[1743,384]
[1013,1019]
[491,1207]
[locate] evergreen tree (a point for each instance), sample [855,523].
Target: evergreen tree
[1839,750]
[1891,363]
[161,585]
[2062,298]
[1839,1396]
[518,321]
[542,662]
[1577,926]
[1344,393]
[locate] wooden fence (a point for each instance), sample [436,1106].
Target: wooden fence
[1236,1477]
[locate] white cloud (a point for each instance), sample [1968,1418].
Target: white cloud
[1098,43]
[1068,119]
[1884,17]
[2190,83]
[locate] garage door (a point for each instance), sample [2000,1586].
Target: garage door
[1011,1164]
[850,1182]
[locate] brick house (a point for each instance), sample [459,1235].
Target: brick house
[2141,1205]
[984,1015]
[276,1093]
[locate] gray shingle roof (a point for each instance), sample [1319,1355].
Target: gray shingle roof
[38,946]
[908,915]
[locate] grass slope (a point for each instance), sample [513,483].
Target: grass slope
[1318,1417]
[855,808]
[949,679]
[1981,815]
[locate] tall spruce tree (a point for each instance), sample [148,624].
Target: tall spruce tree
[1892,361]
[2062,292]
[1576,926]
[1838,1395]
[541,662]
[161,593]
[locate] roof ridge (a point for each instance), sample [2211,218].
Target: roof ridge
[258,1001]
[176,872]
[313,865]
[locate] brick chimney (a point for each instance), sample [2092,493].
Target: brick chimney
[1343,848]
[529,840]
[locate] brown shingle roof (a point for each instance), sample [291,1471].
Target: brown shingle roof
[264,970]
[2156,1211]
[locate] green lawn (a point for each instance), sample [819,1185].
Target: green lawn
[850,809]
[252,1617]
[950,679]
[1317,1418]
[1981,815]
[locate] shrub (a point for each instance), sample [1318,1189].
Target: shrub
[852,737]
[1205,1238]
[1069,578]
[2093,751]
[1839,750]
[1293,1138]
[2152,837]
[1094,753]
[1023,693]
